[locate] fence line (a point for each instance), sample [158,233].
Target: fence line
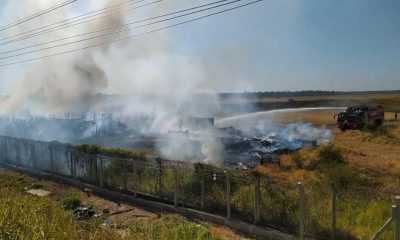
[249,197]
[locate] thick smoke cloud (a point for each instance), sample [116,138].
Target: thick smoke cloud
[153,79]
[64,84]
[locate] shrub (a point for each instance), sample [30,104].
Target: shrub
[119,172]
[112,152]
[377,130]
[328,156]
[371,127]
[341,176]
[71,201]
[298,160]
[329,153]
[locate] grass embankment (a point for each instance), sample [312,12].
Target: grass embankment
[24,216]
[364,167]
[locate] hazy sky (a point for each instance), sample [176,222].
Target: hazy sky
[281,45]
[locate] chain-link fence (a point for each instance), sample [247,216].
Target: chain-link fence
[316,211]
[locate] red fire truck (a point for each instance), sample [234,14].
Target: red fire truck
[356,117]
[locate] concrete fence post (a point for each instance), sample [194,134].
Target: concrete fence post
[71,162]
[160,179]
[135,178]
[5,157]
[257,200]
[32,160]
[74,166]
[175,170]
[228,195]
[334,212]
[2,152]
[397,219]
[100,170]
[203,192]
[302,210]
[51,160]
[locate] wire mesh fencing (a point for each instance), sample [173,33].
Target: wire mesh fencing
[315,210]
[360,215]
[279,205]
[243,197]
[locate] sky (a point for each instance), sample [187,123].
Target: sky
[274,45]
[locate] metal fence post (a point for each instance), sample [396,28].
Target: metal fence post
[100,170]
[257,200]
[228,195]
[135,178]
[397,219]
[334,200]
[175,185]
[386,225]
[302,210]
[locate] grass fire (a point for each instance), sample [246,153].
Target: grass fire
[231,119]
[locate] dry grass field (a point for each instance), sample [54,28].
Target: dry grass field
[368,179]
[316,117]
[366,97]
[390,101]
[377,156]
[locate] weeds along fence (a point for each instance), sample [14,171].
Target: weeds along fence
[318,212]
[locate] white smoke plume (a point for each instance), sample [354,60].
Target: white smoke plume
[154,79]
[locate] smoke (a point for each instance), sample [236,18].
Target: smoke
[267,124]
[157,84]
[64,84]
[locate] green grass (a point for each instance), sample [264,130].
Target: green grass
[71,201]
[28,217]
[358,217]
[24,216]
[111,152]
[169,227]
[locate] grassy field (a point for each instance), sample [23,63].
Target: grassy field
[25,216]
[316,117]
[242,104]
[368,177]
[376,153]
